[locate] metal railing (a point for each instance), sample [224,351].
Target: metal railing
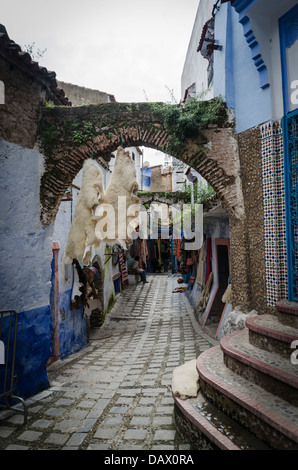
[8,343]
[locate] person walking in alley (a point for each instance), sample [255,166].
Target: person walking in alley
[136,267]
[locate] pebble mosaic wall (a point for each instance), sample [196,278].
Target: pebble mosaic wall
[274,211]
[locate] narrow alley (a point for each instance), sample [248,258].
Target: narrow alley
[116,393]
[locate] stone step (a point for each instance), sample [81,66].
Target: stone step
[206,427]
[267,332]
[268,369]
[287,312]
[270,418]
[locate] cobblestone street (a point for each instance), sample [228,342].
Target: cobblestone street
[116,393]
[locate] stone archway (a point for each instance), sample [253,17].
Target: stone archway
[68,136]
[71,135]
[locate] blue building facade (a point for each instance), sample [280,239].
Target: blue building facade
[250,52]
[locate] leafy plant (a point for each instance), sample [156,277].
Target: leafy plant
[201,191]
[87,133]
[188,120]
[50,104]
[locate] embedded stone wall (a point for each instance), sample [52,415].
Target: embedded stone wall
[19,114]
[247,237]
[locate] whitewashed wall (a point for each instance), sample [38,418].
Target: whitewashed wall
[26,246]
[195,66]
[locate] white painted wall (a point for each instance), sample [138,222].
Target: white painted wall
[26,246]
[264,23]
[61,229]
[195,66]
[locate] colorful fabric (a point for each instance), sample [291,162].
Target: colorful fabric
[94,270]
[123,269]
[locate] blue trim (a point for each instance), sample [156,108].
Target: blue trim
[290,236]
[283,35]
[241,6]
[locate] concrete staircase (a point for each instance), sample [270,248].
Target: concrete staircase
[248,396]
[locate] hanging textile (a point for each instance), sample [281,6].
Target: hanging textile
[123,269]
[205,294]
[201,270]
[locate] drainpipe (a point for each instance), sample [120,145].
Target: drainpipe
[56,249]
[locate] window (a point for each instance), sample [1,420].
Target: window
[288,32]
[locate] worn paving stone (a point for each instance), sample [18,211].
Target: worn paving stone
[6,431]
[76,439]
[30,436]
[116,393]
[56,438]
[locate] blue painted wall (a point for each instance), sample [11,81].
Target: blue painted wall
[236,78]
[72,323]
[33,349]
[72,326]
[146,177]
[26,274]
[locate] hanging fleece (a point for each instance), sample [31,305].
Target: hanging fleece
[121,196]
[81,236]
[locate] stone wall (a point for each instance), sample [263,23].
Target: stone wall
[99,130]
[82,96]
[247,236]
[19,114]
[160,182]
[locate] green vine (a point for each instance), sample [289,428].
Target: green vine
[82,135]
[188,120]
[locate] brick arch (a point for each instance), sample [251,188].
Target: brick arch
[68,136]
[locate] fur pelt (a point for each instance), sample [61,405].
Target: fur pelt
[82,236]
[123,184]
[227,297]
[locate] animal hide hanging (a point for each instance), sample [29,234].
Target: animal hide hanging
[84,286]
[119,213]
[227,297]
[82,236]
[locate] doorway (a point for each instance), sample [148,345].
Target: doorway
[217,306]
